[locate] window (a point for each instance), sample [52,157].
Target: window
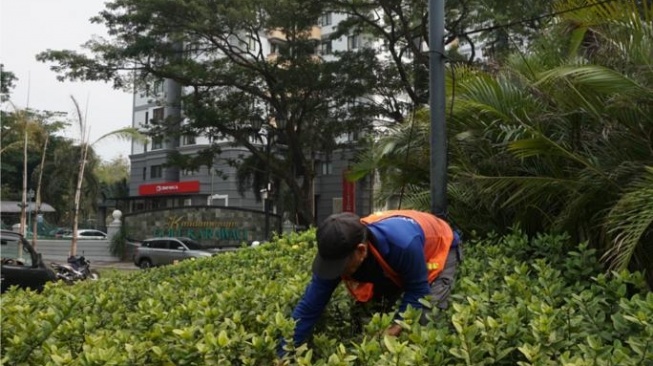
[13,249]
[192,49]
[157,115]
[327,168]
[336,206]
[175,245]
[159,244]
[353,42]
[188,202]
[352,136]
[274,48]
[157,143]
[325,47]
[158,87]
[156,171]
[191,244]
[144,174]
[188,140]
[325,19]
[147,118]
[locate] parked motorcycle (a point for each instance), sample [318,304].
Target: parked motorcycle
[76,269]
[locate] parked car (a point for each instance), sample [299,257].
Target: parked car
[21,265]
[161,251]
[87,234]
[60,232]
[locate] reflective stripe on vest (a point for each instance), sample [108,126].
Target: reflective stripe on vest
[438,237]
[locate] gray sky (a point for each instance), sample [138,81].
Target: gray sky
[28,27]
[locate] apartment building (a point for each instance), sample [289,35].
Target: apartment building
[154,186]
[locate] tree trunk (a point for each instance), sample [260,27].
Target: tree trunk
[78,195]
[23,206]
[38,193]
[305,209]
[83,150]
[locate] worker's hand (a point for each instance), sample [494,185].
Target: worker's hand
[393,330]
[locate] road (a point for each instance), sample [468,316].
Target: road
[59,249]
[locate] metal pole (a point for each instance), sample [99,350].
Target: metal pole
[438,138]
[266,200]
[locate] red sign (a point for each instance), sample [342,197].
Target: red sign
[192,186]
[348,194]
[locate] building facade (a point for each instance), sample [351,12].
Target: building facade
[153,186]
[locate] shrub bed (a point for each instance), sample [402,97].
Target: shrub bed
[517,301]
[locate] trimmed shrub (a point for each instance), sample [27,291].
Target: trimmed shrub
[538,301]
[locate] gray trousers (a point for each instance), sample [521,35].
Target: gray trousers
[443,284]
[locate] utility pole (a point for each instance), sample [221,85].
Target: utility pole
[438,138]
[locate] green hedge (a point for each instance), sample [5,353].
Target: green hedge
[517,301]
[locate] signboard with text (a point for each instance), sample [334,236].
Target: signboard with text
[192,186]
[348,194]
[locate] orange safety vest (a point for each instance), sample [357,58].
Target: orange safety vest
[438,237]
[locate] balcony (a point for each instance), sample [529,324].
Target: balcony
[277,35]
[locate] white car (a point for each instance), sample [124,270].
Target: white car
[87,234]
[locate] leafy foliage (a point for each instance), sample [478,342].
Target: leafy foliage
[557,139]
[489,27]
[7,80]
[517,301]
[17,124]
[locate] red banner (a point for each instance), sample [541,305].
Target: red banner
[192,186]
[348,194]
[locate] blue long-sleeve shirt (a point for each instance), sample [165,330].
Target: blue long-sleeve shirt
[400,241]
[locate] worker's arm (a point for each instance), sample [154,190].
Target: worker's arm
[307,312]
[410,264]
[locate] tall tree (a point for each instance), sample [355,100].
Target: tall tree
[23,135]
[113,171]
[494,26]
[113,177]
[243,64]
[7,79]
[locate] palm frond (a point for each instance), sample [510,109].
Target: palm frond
[126,133]
[518,190]
[630,220]
[595,77]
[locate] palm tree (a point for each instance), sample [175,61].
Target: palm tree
[557,139]
[85,154]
